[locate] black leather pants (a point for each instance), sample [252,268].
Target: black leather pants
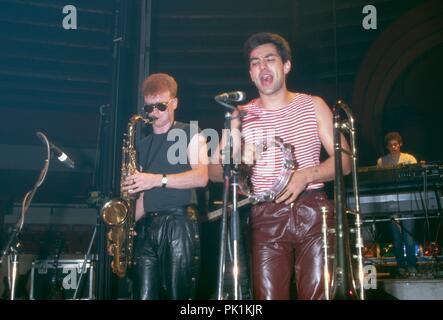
[287,239]
[167,252]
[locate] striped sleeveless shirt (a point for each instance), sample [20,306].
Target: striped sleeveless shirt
[296,124]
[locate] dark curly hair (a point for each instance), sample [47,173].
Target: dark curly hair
[393,136]
[258,39]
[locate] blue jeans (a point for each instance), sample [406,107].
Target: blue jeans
[403,235]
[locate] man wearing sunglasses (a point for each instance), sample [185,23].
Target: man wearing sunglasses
[167,243]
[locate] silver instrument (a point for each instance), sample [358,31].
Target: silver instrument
[346,280]
[283,178]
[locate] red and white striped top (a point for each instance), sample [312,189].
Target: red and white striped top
[296,124]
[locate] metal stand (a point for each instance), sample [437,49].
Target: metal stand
[235,234]
[11,249]
[13,272]
[85,259]
[101,181]
[230,177]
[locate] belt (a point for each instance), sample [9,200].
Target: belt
[303,194]
[179,211]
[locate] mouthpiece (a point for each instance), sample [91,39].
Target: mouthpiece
[150,120]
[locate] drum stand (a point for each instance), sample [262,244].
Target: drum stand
[230,178]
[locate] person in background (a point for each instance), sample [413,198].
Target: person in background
[402,230]
[395,157]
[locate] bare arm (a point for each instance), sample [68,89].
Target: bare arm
[139,207]
[196,177]
[325,171]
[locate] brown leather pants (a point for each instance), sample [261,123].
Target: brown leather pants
[288,239]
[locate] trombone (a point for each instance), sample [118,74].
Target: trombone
[342,284]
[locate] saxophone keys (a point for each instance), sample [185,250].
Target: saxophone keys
[111,249]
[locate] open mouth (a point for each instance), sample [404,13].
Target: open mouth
[266,79]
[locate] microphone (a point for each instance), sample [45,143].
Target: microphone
[235,96]
[63,157]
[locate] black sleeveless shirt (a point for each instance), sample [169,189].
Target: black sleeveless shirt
[153,152]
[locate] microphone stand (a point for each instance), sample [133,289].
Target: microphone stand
[96,199]
[230,176]
[85,259]
[11,249]
[235,233]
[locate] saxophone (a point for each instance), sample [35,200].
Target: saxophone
[119,214]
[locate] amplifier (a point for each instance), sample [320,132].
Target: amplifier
[58,280]
[401,202]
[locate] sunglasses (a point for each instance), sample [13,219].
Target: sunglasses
[160,106]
